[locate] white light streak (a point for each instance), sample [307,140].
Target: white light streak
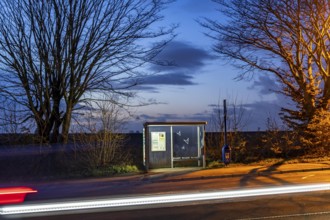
[55,207]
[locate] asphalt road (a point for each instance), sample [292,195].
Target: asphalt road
[311,205]
[109,187]
[294,206]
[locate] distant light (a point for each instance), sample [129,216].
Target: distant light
[140,201]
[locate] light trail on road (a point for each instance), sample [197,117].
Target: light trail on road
[141,202]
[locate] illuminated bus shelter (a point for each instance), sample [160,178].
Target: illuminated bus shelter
[172,144]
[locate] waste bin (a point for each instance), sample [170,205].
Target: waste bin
[226,154]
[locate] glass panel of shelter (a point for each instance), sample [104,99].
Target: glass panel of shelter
[185,142]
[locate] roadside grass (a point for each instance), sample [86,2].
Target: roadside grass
[109,171]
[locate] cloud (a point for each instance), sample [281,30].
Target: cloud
[265,84]
[264,107]
[252,116]
[176,65]
[138,122]
[170,79]
[184,56]
[159,117]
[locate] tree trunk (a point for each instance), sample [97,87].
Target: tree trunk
[56,117]
[66,125]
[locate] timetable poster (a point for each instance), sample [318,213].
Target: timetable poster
[158,141]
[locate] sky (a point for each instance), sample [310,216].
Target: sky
[199,80]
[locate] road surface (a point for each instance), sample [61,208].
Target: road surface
[314,205]
[108,187]
[308,205]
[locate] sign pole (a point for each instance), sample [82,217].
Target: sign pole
[225,120]
[225,149]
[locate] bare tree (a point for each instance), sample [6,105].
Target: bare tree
[99,142]
[237,120]
[11,121]
[286,38]
[53,51]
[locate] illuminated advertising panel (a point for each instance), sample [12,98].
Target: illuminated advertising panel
[158,141]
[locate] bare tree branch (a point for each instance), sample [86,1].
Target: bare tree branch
[53,52]
[289,39]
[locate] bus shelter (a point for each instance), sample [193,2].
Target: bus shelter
[173,144]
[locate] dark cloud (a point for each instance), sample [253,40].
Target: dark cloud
[137,123]
[169,79]
[182,56]
[261,111]
[202,116]
[265,84]
[176,65]
[253,116]
[159,117]
[264,107]
[268,85]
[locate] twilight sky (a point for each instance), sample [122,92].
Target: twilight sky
[199,80]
